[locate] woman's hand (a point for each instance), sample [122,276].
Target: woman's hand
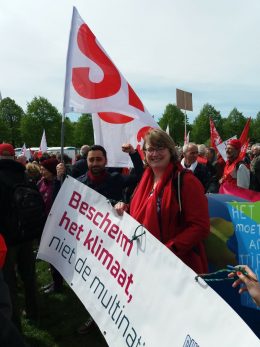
[61,170]
[128,148]
[249,283]
[121,207]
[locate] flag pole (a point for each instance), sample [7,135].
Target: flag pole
[185,120]
[62,138]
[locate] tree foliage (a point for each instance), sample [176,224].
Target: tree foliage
[10,119]
[233,124]
[41,114]
[255,129]
[174,118]
[83,132]
[17,127]
[201,130]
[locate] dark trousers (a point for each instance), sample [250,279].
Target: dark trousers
[21,260]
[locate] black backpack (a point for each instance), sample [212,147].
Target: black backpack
[25,216]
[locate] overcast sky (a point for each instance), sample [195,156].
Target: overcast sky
[209,48]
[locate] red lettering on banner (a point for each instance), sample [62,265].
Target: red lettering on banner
[101,221]
[75,200]
[98,214]
[111,82]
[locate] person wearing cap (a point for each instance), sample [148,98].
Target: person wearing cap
[47,188]
[235,171]
[47,182]
[19,258]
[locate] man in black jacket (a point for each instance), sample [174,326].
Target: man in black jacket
[109,184]
[189,161]
[20,257]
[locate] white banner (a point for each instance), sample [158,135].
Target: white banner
[139,293]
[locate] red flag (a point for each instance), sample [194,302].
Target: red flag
[231,189]
[244,136]
[244,139]
[215,139]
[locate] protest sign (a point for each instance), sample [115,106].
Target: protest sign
[246,218]
[139,293]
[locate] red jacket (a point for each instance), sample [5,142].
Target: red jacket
[193,225]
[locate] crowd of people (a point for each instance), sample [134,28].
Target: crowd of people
[162,192]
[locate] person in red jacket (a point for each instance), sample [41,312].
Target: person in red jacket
[176,214]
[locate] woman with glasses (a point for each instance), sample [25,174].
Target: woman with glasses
[170,202]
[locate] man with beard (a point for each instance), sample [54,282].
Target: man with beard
[235,171]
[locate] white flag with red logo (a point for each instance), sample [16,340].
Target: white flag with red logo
[95,85]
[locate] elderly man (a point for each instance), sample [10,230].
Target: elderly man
[81,166]
[235,170]
[255,167]
[189,161]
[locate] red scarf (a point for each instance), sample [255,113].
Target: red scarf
[144,205]
[97,179]
[229,168]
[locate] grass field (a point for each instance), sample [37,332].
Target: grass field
[60,314]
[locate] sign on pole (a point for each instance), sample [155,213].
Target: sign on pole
[184,100]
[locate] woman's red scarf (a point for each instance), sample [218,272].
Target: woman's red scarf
[143,206]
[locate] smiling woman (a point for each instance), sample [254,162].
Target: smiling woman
[168,209]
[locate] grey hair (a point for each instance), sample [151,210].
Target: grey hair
[256,145]
[186,147]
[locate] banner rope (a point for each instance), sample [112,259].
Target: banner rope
[135,237]
[213,276]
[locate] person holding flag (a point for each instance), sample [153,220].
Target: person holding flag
[235,171]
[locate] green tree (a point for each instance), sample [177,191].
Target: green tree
[201,128]
[69,129]
[233,124]
[10,120]
[255,129]
[83,131]
[174,118]
[41,114]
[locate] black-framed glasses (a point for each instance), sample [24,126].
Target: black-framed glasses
[158,149]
